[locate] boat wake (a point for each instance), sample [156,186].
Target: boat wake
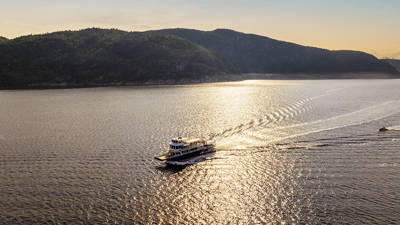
[278,115]
[259,135]
[397,128]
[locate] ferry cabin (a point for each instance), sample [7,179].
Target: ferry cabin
[181,146]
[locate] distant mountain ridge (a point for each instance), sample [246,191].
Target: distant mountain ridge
[394,62]
[93,57]
[251,53]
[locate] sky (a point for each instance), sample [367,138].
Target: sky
[372,26]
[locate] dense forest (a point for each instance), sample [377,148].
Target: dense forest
[96,57]
[93,57]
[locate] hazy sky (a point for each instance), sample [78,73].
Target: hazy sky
[368,25]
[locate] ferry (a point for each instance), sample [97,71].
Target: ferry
[186,151]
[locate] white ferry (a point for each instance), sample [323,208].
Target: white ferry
[185,151]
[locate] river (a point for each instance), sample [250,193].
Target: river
[287,152]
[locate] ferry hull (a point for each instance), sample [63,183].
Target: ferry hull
[189,160]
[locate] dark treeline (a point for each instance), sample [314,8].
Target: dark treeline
[93,57]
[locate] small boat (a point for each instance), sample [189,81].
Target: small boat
[186,151]
[383,129]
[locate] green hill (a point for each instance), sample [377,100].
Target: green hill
[97,56]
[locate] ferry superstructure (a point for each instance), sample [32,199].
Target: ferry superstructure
[184,151]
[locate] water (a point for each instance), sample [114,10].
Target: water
[288,152]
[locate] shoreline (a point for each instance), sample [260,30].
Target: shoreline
[229,78]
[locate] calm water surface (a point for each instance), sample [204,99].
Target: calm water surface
[288,152]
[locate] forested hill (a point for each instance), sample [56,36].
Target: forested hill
[99,57]
[94,57]
[251,53]
[394,62]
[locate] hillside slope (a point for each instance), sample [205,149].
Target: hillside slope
[394,62]
[251,53]
[98,56]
